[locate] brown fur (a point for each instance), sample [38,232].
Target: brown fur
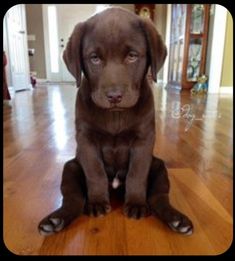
[115,139]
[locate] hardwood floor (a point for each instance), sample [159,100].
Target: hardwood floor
[39,139]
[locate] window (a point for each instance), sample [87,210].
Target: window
[53,39]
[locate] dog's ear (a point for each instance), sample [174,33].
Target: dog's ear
[72,52]
[156,48]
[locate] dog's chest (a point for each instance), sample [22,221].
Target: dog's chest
[115,122]
[116,149]
[116,156]
[116,161]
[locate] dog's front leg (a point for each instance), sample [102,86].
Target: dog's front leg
[96,179]
[137,177]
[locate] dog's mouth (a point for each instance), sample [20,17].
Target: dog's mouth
[116,108]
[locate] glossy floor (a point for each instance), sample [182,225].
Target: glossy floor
[193,136]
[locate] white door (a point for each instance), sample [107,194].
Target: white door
[62,18]
[66,22]
[18,48]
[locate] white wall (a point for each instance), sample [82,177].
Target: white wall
[167,42]
[215,58]
[160,19]
[130,7]
[210,38]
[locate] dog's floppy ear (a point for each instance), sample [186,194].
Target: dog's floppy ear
[72,52]
[156,48]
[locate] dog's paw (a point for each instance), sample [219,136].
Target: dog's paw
[97,209]
[50,225]
[136,210]
[181,224]
[177,221]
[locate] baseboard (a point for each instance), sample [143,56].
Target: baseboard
[45,81]
[11,91]
[8,102]
[41,80]
[11,88]
[226,89]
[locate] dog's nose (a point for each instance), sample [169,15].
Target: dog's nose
[114,96]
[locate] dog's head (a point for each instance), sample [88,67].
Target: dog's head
[114,50]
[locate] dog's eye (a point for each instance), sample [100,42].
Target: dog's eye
[95,59]
[132,57]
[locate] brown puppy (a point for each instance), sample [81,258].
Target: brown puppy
[115,123]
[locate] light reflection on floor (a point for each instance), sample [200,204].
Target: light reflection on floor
[59,127]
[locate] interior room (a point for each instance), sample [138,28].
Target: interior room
[193,103]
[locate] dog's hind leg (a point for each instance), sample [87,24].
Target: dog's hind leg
[73,189]
[158,199]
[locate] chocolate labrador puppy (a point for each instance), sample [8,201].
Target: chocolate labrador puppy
[115,123]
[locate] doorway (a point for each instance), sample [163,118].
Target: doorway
[59,21]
